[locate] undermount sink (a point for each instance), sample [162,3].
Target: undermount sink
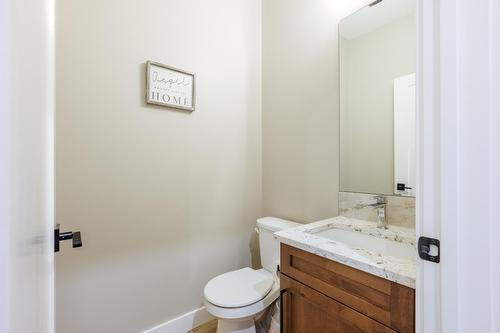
[362,242]
[388,253]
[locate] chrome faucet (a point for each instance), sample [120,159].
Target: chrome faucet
[380,205]
[381,220]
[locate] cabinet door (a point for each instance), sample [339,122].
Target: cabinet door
[308,311]
[384,301]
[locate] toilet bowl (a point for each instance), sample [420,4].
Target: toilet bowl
[238,298]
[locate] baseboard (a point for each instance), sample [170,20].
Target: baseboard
[183,323]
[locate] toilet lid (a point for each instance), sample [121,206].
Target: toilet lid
[239,288]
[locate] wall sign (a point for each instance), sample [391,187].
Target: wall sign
[170,87]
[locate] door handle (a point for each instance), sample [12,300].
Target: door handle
[424,249]
[61,236]
[402,187]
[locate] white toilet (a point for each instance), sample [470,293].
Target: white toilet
[237,298]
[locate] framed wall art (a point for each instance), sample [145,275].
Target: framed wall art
[170,87]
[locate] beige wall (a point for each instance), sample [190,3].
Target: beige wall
[164,199]
[370,63]
[300,103]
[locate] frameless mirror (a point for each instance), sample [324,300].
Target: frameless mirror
[377,99]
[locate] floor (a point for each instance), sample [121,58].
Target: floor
[210,327]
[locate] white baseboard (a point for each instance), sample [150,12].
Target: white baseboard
[183,323]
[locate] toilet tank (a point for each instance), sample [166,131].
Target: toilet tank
[269,246]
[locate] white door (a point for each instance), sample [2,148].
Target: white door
[458,139]
[404,134]
[26,166]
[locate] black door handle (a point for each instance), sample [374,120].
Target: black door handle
[60,236]
[424,249]
[402,187]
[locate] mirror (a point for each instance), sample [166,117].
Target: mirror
[377,99]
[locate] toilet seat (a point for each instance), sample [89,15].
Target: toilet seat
[250,310]
[239,288]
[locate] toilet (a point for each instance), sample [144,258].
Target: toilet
[237,298]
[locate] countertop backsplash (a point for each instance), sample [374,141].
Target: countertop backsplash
[400,211]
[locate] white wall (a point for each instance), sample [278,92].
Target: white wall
[164,199]
[300,101]
[370,63]
[26,166]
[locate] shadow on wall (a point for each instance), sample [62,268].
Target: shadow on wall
[255,250]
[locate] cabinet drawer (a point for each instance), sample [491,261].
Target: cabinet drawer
[306,310]
[384,301]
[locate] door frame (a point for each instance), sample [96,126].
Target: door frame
[427,303]
[27,165]
[458,147]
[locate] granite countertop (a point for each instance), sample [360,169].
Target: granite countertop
[395,269]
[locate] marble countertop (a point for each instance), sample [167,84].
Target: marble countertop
[395,269]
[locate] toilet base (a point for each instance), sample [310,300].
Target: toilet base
[230,326]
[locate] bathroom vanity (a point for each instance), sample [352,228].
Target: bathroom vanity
[347,276]
[355,273]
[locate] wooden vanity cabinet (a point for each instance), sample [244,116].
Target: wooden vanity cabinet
[320,296]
